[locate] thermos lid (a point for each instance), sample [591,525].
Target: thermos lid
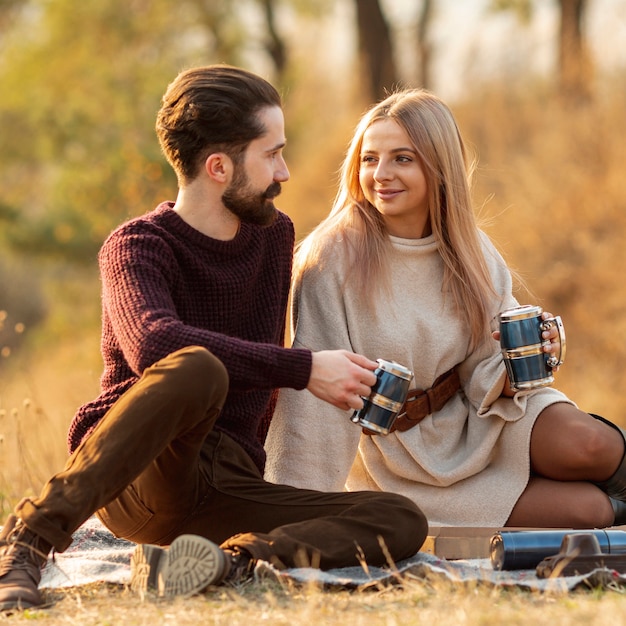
[395,368]
[520,312]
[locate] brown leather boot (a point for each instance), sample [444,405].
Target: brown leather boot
[23,554]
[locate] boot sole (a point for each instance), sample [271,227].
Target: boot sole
[146,567]
[189,566]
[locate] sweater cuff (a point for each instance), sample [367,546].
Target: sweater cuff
[293,368]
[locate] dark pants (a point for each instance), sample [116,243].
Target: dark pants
[154,469]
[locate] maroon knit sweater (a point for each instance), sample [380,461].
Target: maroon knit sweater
[166,286]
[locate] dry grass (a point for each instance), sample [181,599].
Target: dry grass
[417,602]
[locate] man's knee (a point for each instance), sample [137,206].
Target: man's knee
[195,371]
[410,526]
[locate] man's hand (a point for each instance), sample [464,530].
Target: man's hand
[342,378]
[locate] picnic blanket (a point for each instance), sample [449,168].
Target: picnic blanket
[95,555]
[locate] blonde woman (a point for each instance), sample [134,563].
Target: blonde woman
[399,270]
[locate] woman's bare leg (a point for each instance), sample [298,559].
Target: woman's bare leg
[552,504]
[569,451]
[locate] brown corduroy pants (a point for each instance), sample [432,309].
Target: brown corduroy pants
[154,469]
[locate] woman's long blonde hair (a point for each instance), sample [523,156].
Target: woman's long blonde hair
[356,224]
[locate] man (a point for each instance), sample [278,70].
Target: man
[194,300]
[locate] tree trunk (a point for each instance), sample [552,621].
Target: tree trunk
[275,45]
[424,48]
[375,51]
[574,63]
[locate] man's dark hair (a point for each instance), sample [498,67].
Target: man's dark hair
[211,109]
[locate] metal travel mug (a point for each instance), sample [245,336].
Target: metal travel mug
[386,399]
[527,365]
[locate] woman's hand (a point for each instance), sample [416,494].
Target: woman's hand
[552,341]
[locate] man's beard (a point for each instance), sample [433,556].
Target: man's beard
[249,205]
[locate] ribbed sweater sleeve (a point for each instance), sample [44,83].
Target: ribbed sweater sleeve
[166,286]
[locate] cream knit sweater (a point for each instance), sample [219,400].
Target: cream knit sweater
[465,465]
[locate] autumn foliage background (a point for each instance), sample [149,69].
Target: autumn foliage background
[81,83]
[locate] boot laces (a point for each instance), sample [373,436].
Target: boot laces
[21,550]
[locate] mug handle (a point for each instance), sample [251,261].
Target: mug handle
[555,361]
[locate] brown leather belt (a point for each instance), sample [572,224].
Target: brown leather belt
[422,402]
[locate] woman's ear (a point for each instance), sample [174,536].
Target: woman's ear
[219,167]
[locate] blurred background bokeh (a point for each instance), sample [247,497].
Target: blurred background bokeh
[538,88]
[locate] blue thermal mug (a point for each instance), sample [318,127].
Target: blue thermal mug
[386,399]
[527,365]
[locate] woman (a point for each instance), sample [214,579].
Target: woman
[399,270]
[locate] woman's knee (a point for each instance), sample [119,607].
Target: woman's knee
[570,438]
[599,444]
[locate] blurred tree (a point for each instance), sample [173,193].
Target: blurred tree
[424,48]
[574,60]
[375,49]
[78,153]
[275,44]
[380,49]
[230,35]
[7,10]
[574,63]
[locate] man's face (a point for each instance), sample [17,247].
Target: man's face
[256,181]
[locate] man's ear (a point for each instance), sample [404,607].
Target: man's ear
[219,167]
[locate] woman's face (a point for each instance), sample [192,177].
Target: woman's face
[393,181]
